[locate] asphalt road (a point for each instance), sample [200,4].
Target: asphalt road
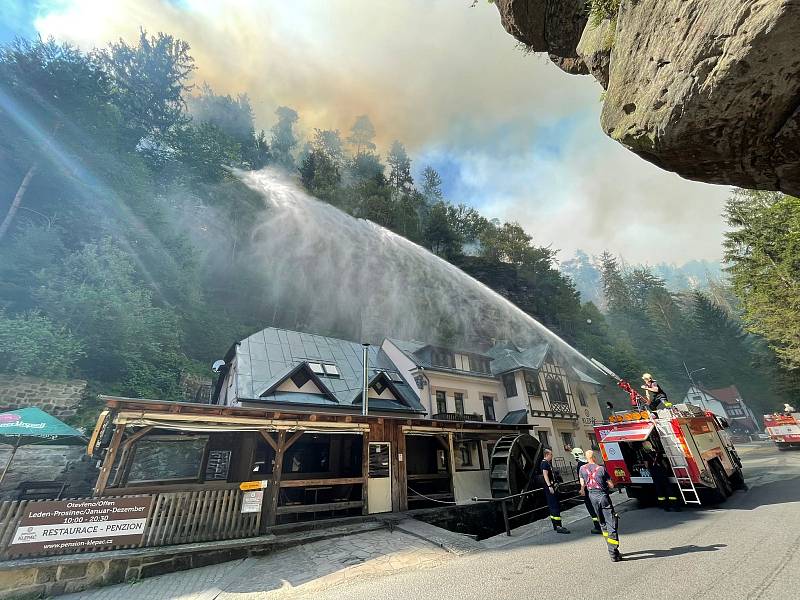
[748,547]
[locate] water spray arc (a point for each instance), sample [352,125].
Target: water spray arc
[357,279]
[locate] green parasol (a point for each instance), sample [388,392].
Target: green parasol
[27,426]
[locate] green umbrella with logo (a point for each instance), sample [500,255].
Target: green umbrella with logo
[28,426]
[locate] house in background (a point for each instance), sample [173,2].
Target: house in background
[725,402]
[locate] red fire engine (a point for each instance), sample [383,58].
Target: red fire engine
[783,429]
[690,443]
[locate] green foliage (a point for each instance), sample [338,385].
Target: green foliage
[602,9]
[284,140]
[399,167]
[431,185]
[763,250]
[32,344]
[362,135]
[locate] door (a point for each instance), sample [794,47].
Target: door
[379,479]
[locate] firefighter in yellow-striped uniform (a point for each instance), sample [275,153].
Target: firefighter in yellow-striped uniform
[596,482]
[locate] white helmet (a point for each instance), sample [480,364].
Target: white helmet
[578,454]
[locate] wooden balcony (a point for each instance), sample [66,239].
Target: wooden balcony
[451,416]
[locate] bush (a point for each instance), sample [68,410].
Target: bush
[31,344]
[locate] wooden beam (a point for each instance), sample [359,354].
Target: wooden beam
[294,483]
[365,474]
[268,438]
[270,507]
[292,440]
[452,462]
[108,461]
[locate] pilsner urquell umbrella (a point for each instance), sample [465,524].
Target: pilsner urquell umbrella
[28,426]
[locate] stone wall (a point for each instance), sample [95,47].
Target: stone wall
[68,464]
[58,398]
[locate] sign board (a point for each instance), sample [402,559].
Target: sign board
[94,523]
[249,486]
[251,501]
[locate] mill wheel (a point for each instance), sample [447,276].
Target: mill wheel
[514,464]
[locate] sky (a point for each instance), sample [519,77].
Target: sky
[509,132]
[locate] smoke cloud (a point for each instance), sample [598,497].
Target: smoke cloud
[514,136]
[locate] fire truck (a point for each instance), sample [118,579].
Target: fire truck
[783,429]
[692,444]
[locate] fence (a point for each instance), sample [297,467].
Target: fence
[175,518]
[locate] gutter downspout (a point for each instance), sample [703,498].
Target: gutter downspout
[430,398]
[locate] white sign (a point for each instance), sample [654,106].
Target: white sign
[251,501]
[37,534]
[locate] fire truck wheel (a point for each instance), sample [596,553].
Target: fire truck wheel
[737,480]
[724,488]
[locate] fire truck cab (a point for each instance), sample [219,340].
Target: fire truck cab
[690,444]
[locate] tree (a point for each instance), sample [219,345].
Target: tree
[617,295]
[97,294]
[362,135]
[31,344]
[149,81]
[763,250]
[284,140]
[439,235]
[431,185]
[399,167]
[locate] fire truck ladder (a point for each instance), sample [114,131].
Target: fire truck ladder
[677,460]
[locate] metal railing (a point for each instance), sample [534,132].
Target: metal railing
[455,416]
[504,504]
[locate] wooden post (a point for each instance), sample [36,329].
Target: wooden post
[127,455]
[365,474]
[108,461]
[452,461]
[270,507]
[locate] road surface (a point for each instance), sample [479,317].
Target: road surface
[747,548]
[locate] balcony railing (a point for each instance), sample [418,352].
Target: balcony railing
[554,414]
[451,416]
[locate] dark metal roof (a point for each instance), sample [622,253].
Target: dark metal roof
[420,354]
[509,358]
[268,357]
[515,417]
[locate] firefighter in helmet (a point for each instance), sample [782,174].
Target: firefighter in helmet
[665,495]
[655,393]
[596,483]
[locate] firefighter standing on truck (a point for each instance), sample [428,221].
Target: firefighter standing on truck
[655,393]
[550,492]
[595,482]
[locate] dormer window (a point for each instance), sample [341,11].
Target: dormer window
[316,368]
[331,371]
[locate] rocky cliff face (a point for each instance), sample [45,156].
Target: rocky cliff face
[709,89]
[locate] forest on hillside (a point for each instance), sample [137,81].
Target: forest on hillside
[123,237]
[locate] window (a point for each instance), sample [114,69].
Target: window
[167,459]
[544,438]
[379,386]
[441,402]
[462,362]
[465,450]
[488,408]
[581,397]
[316,368]
[443,358]
[532,384]
[395,376]
[379,457]
[300,378]
[479,364]
[332,371]
[558,397]
[459,403]
[566,437]
[510,383]
[697,398]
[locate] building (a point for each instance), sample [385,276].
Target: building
[506,384]
[287,412]
[725,402]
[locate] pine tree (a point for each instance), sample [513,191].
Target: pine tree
[431,185]
[399,167]
[362,135]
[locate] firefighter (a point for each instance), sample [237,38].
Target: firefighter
[550,492]
[595,483]
[580,459]
[655,393]
[665,497]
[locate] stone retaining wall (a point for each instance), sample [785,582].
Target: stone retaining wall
[58,398]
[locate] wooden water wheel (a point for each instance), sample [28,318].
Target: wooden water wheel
[514,464]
